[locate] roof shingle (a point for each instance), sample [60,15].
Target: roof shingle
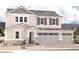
[44,13]
[37,12]
[69,26]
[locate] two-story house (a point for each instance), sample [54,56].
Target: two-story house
[35,26]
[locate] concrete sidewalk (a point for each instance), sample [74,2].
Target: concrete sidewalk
[41,47]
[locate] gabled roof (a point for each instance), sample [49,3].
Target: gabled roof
[20,10]
[44,13]
[23,10]
[69,26]
[9,9]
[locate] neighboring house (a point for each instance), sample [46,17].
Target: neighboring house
[2,29]
[35,26]
[2,24]
[2,33]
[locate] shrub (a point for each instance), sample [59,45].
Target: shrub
[2,41]
[37,43]
[2,32]
[76,36]
[76,41]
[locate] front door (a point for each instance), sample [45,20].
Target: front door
[31,36]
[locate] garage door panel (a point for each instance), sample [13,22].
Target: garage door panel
[67,39]
[48,39]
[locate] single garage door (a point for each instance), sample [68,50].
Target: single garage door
[67,38]
[48,38]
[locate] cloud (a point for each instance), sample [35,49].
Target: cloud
[69,14]
[63,7]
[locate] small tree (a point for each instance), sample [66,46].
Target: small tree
[2,31]
[76,36]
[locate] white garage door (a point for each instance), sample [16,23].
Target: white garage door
[48,38]
[67,38]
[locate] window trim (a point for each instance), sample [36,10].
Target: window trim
[40,24]
[51,21]
[19,19]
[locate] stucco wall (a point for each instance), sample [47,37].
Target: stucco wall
[32,20]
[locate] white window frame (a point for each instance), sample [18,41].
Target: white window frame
[22,20]
[19,19]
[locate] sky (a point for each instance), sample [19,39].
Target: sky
[67,8]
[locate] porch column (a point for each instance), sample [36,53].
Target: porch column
[60,37]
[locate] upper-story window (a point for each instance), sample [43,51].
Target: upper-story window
[53,21]
[16,19]
[25,19]
[20,19]
[41,21]
[57,21]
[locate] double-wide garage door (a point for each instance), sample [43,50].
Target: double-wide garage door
[48,38]
[53,38]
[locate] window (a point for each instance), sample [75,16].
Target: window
[50,21]
[17,35]
[16,19]
[41,21]
[67,34]
[38,21]
[50,33]
[21,19]
[47,33]
[53,21]
[25,19]
[44,33]
[39,33]
[55,33]
[45,21]
[64,33]
[57,21]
